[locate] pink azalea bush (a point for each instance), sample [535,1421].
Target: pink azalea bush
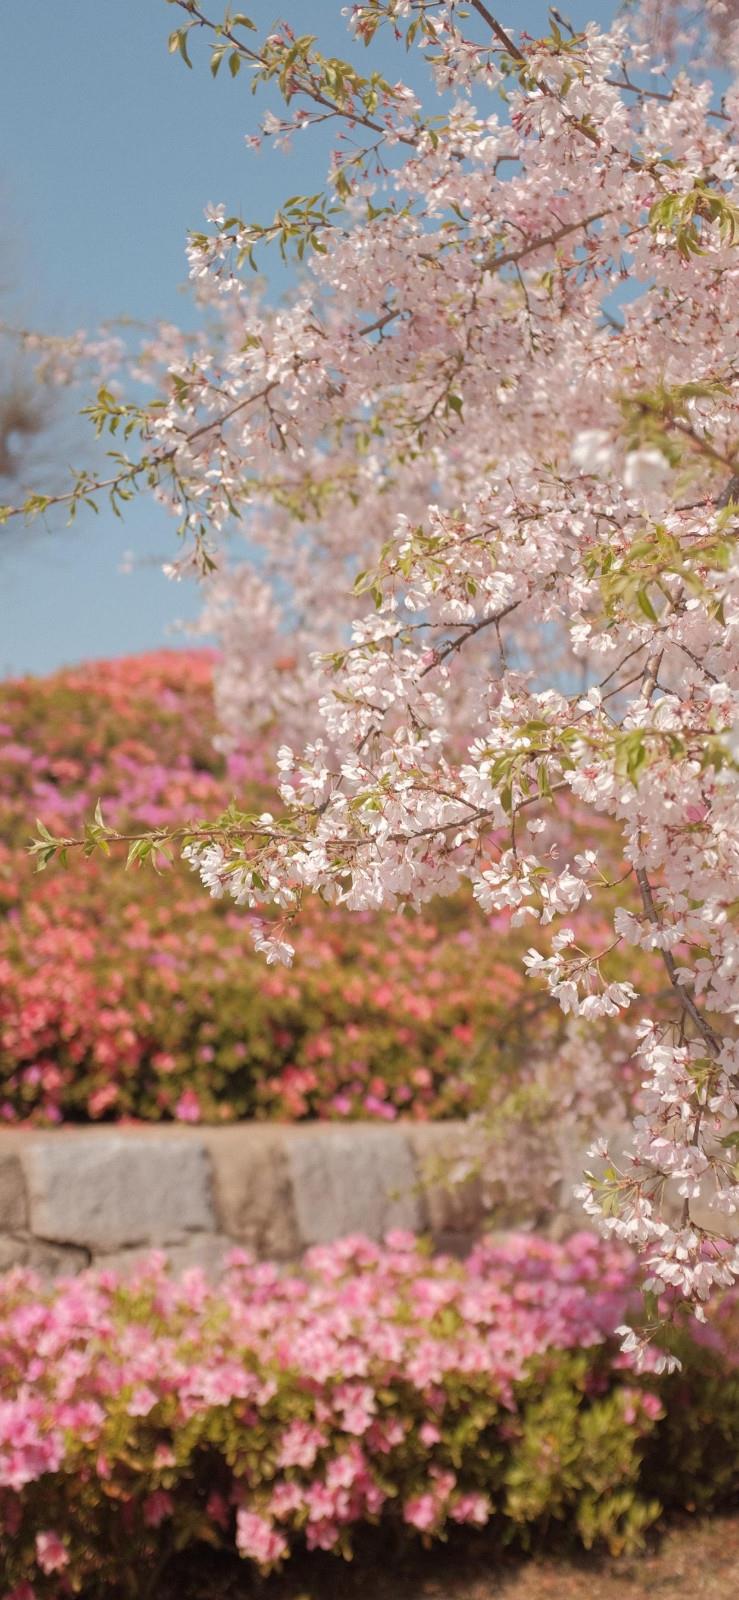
[279,1410]
[133,995]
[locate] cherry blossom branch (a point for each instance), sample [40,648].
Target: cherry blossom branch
[500,33]
[469,632]
[707,1033]
[512,257]
[668,98]
[305,86]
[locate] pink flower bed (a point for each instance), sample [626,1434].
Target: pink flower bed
[276,1410]
[132,995]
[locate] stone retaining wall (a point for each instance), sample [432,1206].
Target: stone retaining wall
[69,1197]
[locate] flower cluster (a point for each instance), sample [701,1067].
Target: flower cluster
[277,1409]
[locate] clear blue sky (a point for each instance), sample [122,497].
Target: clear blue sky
[110,150]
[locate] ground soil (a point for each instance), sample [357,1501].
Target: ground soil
[697,1559]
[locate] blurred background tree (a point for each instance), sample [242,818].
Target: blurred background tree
[28,413]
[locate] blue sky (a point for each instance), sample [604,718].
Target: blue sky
[111,149]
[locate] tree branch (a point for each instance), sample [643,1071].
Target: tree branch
[469,632]
[500,33]
[707,1033]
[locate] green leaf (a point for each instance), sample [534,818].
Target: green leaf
[644,603]
[178,45]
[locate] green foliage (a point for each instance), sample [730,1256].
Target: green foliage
[688,217]
[693,1461]
[631,576]
[577,1459]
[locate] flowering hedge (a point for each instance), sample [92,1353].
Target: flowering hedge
[274,1411]
[132,995]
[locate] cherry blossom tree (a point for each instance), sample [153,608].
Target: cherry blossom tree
[675,27]
[486,462]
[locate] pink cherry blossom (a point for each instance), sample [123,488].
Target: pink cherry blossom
[486,460]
